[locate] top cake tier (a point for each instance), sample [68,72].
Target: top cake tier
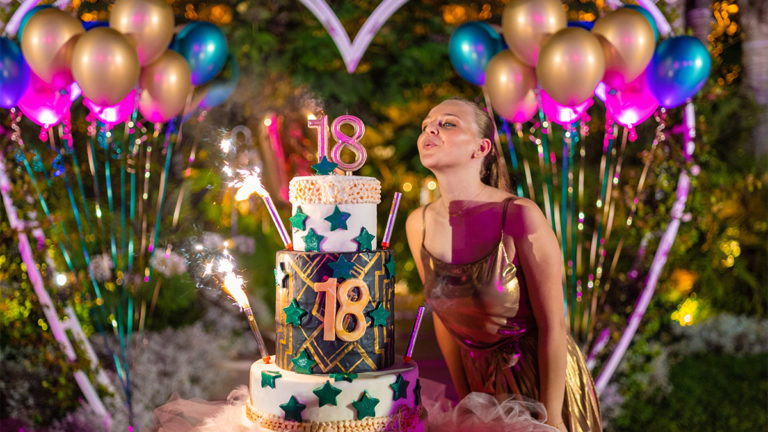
[333,213]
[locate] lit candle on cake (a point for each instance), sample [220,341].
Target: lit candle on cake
[252,184]
[416,325]
[391,220]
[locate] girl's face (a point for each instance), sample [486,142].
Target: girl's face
[449,136]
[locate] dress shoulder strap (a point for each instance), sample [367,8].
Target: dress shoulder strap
[504,216]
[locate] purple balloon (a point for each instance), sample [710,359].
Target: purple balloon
[562,114]
[14,73]
[633,104]
[115,114]
[44,104]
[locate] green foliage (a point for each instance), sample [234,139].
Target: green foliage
[709,392]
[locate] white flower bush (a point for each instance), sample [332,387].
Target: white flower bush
[169,264]
[726,334]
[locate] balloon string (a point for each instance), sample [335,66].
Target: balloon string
[572,216]
[78,176]
[503,172]
[143,204]
[569,303]
[543,153]
[94,175]
[133,164]
[184,185]
[168,150]
[579,260]
[526,165]
[610,207]
[105,142]
[512,154]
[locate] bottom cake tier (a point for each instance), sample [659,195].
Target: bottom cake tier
[385,400]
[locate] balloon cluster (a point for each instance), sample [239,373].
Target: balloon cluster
[119,66]
[558,66]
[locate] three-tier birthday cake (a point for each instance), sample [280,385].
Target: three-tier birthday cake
[335,366]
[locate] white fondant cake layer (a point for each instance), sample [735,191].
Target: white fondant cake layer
[340,239]
[377,384]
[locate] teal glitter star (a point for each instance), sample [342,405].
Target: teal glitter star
[338,219]
[399,388]
[303,364]
[341,376]
[342,268]
[364,240]
[299,220]
[327,394]
[294,313]
[268,378]
[417,392]
[324,167]
[366,406]
[390,265]
[293,409]
[312,241]
[379,315]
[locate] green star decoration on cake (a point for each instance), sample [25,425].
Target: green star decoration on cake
[417,393]
[338,219]
[293,409]
[390,265]
[268,378]
[324,167]
[312,241]
[364,240]
[327,394]
[299,220]
[342,268]
[379,315]
[294,313]
[303,364]
[341,376]
[399,388]
[366,406]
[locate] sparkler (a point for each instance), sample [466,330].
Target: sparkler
[251,184]
[233,285]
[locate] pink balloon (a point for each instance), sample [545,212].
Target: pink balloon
[112,115]
[633,104]
[43,103]
[562,114]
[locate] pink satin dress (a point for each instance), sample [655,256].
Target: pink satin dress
[484,304]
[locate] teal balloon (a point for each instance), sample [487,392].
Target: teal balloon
[27,16]
[205,48]
[221,87]
[679,68]
[472,46]
[14,73]
[649,17]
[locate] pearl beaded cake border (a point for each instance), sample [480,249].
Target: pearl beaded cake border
[405,420]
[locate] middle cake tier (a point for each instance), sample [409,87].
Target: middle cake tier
[335,311]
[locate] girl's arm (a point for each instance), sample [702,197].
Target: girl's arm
[541,259]
[448,345]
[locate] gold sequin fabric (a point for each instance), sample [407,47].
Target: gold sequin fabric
[334,189]
[498,335]
[404,420]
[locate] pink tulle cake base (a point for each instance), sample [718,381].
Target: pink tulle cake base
[477,412]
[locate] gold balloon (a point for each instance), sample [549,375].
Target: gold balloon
[166,84]
[47,43]
[105,65]
[507,81]
[628,43]
[570,65]
[527,23]
[147,23]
